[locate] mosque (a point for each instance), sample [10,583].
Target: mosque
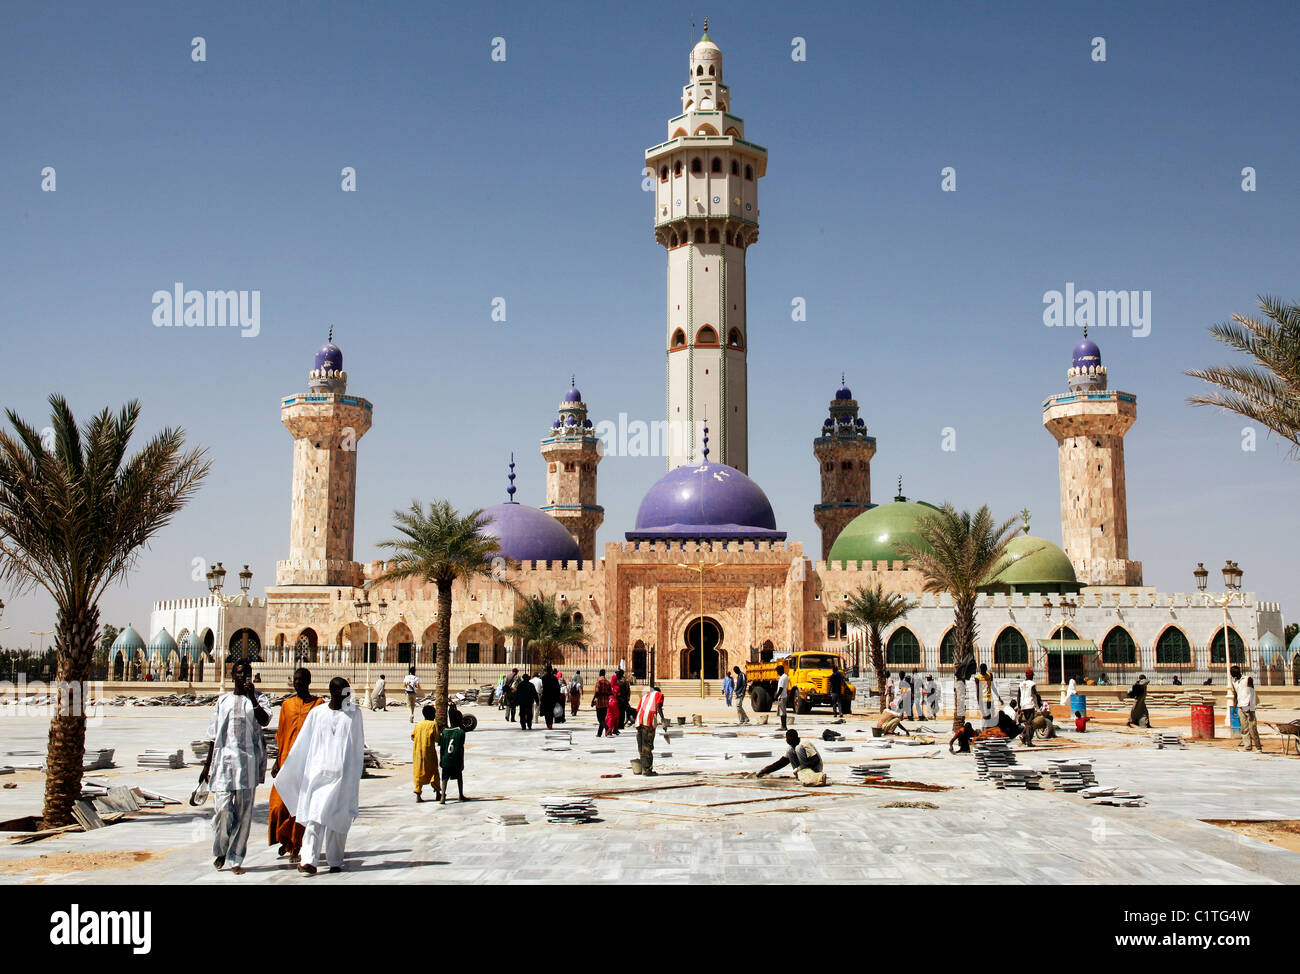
[705,579]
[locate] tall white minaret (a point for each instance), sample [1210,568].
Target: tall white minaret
[706,215]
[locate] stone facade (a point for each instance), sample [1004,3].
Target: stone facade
[326,428]
[843,452]
[572,452]
[1089,427]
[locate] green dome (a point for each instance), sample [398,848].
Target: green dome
[128,641]
[875,535]
[1036,564]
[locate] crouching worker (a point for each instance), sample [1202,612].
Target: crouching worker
[960,742]
[891,722]
[802,757]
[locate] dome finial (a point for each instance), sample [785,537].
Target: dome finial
[706,441]
[331,338]
[1024,516]
[510,491]
[900,496]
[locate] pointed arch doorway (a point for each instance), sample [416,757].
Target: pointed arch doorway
[703,639]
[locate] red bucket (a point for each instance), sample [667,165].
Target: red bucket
[1203,722]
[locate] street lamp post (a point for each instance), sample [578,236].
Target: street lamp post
[364,614]
[1068,608]
[216,580]
[700,568]
[1232,575]
[13,659]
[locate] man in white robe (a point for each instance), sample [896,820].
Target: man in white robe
[235,766]
[320,780]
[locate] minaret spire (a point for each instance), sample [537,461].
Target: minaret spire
[510,491]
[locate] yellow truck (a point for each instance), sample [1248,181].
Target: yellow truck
[810,682]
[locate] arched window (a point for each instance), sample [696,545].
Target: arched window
[715,165]
[948,648]
[577,619]
[749,172]
[1234,641]
[697,165]
[677,168]
[735,168]
[672,239]
[706,336]
[1118,648]
[679,339]
[706,129]
[713,236]
[734,340]
[663,174]
[699,71]
[1010,648]
[903,648]
[1065,632]
[728,238]
[699,235]
[679,134]
[1173,647]
[710,70]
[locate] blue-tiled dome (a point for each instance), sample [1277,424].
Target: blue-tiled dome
[1086,354]
[329,358]
[711,500]
[573,395]
[526,534]
[162,644]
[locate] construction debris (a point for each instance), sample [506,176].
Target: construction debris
[908,805]
[98,760]
[154,758]
[1070,775]
[168,700]
[568,810]
[507,818]
[1164,739]
[200,750]
[86,815]
[1112,796]
[870,772]
[995,761]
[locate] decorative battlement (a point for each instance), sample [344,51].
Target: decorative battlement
[318,571]
[209,602]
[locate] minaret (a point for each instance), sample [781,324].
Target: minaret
[843,452]
[706,216]
[327,424]
[1089,423]
[572,452]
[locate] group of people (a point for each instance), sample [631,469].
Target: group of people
[317,771]
[912,696]
[542,696]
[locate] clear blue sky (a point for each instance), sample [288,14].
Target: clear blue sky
[520,179]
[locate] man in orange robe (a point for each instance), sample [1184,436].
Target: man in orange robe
[283,828]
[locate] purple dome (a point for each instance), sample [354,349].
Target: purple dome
[570,421]
[1086,353]
[526,534]
[843,392]
[329,358]
[711,501]
[573,395]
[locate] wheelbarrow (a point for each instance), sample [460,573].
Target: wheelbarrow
[1288,731]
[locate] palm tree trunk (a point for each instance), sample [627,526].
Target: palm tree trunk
[442,676]
[66,752]
[878,664]
[963,632]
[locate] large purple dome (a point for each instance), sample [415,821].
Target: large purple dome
[329,358]
[843,392]
[526,534]
[1086,354]
[711,501]
[573,395]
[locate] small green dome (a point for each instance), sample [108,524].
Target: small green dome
[1036,563]
[875,535]
[1269,645]
[128,641]
[162,644]
[1295,644]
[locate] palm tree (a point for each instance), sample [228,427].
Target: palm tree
[544,628]
[875,610]
[73,519]
[959,554]
[440,547]
[1269,395]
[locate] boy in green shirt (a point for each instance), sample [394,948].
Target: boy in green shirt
[452,744]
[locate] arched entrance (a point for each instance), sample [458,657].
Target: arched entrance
[640,666]
[710,632]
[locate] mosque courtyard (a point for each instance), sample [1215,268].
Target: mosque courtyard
[702,819]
